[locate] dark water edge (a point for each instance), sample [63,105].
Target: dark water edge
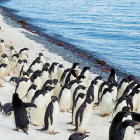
[75,54]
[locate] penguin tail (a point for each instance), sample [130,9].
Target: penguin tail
[42,129]
[72,130]
[24,131]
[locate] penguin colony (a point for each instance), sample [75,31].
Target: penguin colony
[43,90]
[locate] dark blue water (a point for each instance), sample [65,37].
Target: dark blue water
[108,28]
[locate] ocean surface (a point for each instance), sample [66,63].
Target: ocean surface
[110,29]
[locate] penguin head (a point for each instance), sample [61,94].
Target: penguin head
[77,136]
[15,55]
[3,65]
[113,85]
[15,96]
[98,78]
[23,50]
[41,54]
[94,82]
[81,77]
[60,66]
[112,71]
[12,48]
[126,110]
[131,78]
[47,88]
[20,61]
[54,98]
[29,71]
[85,69]
[4,55]
[67,86]
[88,100]
[45,67]
[25,61]
[2,41]
[75,65]
[48,82]
[81,95]
[36,74]
[55,81]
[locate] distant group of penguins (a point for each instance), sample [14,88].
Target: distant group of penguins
[44,89]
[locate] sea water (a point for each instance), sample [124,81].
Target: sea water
[110,29]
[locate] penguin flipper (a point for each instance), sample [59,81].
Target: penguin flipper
[24,131]
[26,105]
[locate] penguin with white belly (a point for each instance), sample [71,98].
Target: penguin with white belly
[65,98]
[13,61]
[36,79]
[2,47]
[42,58]
[23,53]
[103,86]
[3,69]
[78,102]
[71,76]
[99,81]
[12,52]
[18,67]
[112,77]
[37,114]
[44,75]
[57,87]
[83,116]
[122,86]
[106,103]
[60,71]
[22,88]
[114,92]
[85,72]
[126,130]
[117,120]
[30,93]
[36,65]
[53,70]
[51,116]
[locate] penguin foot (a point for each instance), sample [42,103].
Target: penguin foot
[62,110]
[53,133]
[16,129]
[69,111]
[104,115]
[34,124]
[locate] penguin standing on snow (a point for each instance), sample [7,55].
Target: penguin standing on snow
[85,72]
[3,69]
[13,61]
[12,52]
[23,53]
[83,115]
[77,136]
[60,71]
[112,77]
[126,130]
[65,98]
[20,114]
[18,67]
[51,116]
[2,47]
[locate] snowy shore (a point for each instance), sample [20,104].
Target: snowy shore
[17,37]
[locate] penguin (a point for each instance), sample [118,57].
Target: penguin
[20,114]
[51,116]
[112,77]
[3,68]
[77,136]
[19,67]
[4,59]
[65,73]
[36,79]
[23,53]
[122,86]
[12,52]
[37,114]
[83,116]
[48,93]
[60,71]
[114,87]
[30,93]
[42,58]
[36,65]
[117,120]
[92,91]
[53,70]
[13,61]
[45,75]
[78,102]
[103,86]
[71,76]
[126,130]
[57,87]
[85,72]
[106,104]
[14,81]
[48,82]
[79,89]
[2,47]
[22,88]
[65,98]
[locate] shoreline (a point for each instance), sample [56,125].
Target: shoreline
[79,55]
